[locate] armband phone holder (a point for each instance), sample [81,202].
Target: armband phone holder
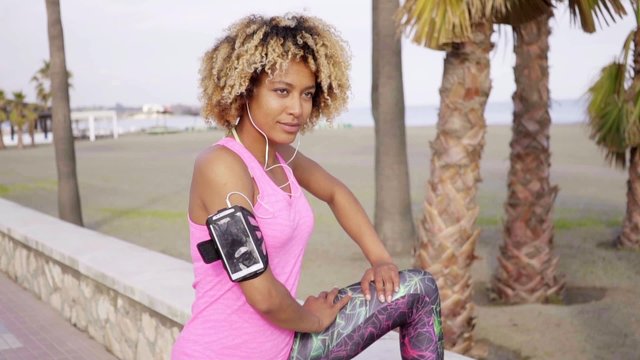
[237,241]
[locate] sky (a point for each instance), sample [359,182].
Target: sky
[136,52]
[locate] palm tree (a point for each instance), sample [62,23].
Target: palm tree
[19,115]
[527,267]
[614,119]
[68,194]
[447,230]
[393,218]
[42,83]
[3,116]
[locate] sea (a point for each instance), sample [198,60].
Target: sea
[496,113]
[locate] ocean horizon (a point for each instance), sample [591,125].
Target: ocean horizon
[496,113]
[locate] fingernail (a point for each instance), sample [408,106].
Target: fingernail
[397,289]
[367,297]
[381,298]
[388,298]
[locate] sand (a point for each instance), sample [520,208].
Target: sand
[136,188]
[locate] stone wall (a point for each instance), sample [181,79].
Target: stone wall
[128,327]
[131,299]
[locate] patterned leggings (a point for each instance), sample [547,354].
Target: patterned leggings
[415,308]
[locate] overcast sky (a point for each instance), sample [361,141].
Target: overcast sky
[148,51]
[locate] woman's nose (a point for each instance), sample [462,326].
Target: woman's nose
[295,106]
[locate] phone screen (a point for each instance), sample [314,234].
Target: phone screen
[235,244]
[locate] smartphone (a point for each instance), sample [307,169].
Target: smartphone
[239,242]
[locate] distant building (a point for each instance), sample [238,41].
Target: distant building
[181,109]
[154,109]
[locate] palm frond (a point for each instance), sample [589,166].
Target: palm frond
[608,114]
[18,96]
[519,12]
[435,23]
[438,23]
[632,136]
[3,107]
[590,11]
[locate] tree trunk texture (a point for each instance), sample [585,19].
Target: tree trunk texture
[2,145]
[68,193]
[448,233]
[19,134]
[32,132]
[526,265]
[393,216]
[630,236]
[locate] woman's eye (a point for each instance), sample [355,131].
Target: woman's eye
[281,91]
[309,94]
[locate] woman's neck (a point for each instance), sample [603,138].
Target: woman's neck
[255,142]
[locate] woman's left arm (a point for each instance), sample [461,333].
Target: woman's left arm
[354,220]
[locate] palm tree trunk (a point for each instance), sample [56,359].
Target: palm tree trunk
[68,193]
[19,133]
[448,233]
[2,145]
[527,267]
[393,218]
[32,132]
[630,236]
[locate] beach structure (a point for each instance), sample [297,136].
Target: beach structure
[89,123]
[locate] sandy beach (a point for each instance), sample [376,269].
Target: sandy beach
[136,188]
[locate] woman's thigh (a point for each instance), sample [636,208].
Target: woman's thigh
[415,309]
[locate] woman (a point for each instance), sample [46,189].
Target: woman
[266,81]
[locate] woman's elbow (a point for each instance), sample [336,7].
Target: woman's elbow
[265,303]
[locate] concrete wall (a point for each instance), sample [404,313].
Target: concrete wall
[126,297]
[129,298]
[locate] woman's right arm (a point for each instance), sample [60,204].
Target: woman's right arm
[217,172]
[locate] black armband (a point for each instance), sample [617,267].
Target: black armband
[236,239]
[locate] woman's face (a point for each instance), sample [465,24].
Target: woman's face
[281,105]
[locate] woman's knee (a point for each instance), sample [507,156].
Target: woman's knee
[418,281]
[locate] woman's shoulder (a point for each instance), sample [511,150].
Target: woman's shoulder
[292,156]
[220,162]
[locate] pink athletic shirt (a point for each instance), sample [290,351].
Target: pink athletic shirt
[223,325]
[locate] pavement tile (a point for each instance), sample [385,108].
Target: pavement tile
[32,330]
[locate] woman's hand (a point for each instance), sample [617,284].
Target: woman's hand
[386,279]
[324,309]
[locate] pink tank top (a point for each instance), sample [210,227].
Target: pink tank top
[222,324]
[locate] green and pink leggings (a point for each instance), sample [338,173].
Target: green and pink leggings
[415,309]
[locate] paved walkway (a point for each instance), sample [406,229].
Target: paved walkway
[31,330]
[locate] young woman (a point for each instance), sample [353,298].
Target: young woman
[266,81]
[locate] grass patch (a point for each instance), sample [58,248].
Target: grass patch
[488,221]
[145,214]
[560,223]
[45,184]
[49,185]
[569,224]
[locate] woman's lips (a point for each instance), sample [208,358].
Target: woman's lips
[290,127]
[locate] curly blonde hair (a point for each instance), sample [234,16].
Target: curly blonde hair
[257,44]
